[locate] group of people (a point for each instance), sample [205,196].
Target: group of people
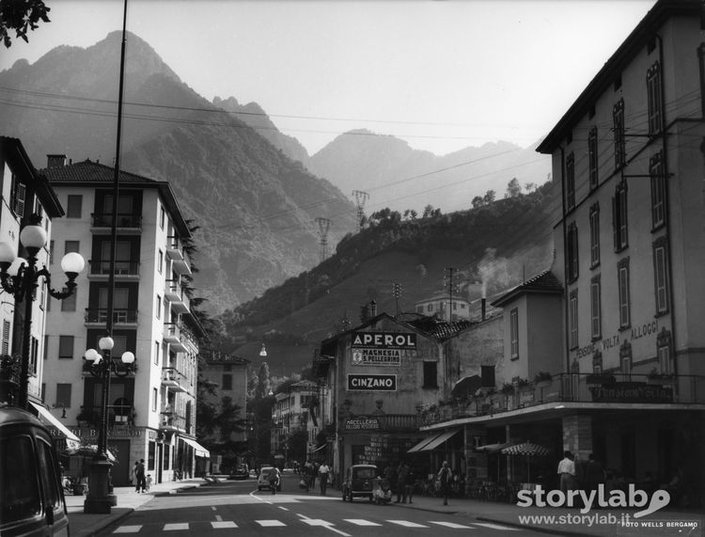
[309,471]
[142,480]
[399,479]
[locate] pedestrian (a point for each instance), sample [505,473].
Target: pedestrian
[409,488]
[566,471]
[323,471]
[402,477]
[139,475]
[444,479]
[594,474]
[148,482]
[133,474]
[274,477]
[307,472]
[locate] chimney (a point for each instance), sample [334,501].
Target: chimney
[373,308]
[56,161]
[483,307]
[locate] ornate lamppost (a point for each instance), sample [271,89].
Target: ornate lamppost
[99,499]
[20,278]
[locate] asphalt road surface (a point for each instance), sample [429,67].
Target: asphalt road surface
[237,508]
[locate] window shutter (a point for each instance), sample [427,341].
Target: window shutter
[615,224]
[20,196]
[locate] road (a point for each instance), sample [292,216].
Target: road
[236,507]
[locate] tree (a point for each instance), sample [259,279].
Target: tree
[477,202]
[297,444]
[489,197]
[513,189]
[21,16]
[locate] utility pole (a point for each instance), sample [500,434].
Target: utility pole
[396,292]
[360,199]
[448,276]
[323,227]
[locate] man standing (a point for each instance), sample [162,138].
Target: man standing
[323,471]
[141,485]
[566,471]
[444,478]
[402,477]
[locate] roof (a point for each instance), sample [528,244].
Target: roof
[93,174]
[12,150]
[545,283]
[632,45]
[441,296]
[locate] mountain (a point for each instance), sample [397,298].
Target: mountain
[492,248]
[256,207]
[400,177]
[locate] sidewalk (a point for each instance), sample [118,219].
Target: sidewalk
[83,525]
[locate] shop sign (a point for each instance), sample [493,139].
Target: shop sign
[362,423]
[631,392]
[116,432]
[377,357]
[384,340]
[385,383]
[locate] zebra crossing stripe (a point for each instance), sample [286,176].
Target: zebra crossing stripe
[450,525]
[316,522]
[223,524]
[176,526]
[270,523]
[361,522]
[407,524]
[128,529]
[495,526]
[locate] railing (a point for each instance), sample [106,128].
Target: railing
[172,421]
[124,220]
[122,268]
[577,387]
[120,316]
[172,374]
[130,369]
[117,415]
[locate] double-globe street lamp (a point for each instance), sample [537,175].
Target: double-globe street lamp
[20,278]
[102,365]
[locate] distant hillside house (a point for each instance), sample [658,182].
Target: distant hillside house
[441,304]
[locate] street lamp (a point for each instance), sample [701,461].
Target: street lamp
[102,365]
[20,278]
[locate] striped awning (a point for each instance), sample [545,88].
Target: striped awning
[494,448]
[439,440]
[423,442]
[526,448]
[45,415]
[198,449]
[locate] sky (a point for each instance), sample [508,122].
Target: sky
[442,75]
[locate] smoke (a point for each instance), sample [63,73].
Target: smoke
[495,272]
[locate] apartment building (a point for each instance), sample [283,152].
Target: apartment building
[441,304]
[227,375]
[151,411]
[295,409]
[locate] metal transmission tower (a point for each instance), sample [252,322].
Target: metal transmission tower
[448,279]
[396,292]
[323,227]
[360,198]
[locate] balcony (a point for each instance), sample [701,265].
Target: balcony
[121,368]
[174,293]
[127,223]
[170,421]
[97,317]
[175,252]
[173,379]
[609,389]
[124,270]
[172,336]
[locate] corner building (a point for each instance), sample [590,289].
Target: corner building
[152,412]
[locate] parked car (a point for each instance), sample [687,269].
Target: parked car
[31,496]
[360,481]
[241,471]
[264,482]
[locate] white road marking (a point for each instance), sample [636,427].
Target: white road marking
[495,526]
[128,529]
[322,524]
[176,526]
[219,518]
[317,522]
[361,522]
[270,523]
[223,525]
[407,524]
[283,508]
[212,508]
[450,524]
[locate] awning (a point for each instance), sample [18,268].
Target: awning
[72,441]
[90,451]
[526,448]
[319,448]
[494,448]
[440,439]
[198,448]
[423,442]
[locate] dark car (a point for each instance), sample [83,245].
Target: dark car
[31,497]
[241,471]
[360,481]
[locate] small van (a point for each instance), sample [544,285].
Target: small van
[31,497]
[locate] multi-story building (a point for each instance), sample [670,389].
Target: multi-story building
[291,412]
[151,411]
[441,304]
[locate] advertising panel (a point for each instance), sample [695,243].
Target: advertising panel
[384,383]
[381,348]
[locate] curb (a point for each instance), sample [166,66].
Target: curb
[100,527]
[539,529]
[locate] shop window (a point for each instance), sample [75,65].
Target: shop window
[430,375]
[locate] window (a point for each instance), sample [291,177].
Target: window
[162,216]
[65,347]
[661,279]
[595,309]
[19,491]
[18,193]
[227,383]
[658,191]
[572,252]
[69,304]
[160,261]
[620,226]
[665,356]
[620,156]
[51,251]
[573,318]
[514,334]
[653,88]
[155,395]
[594,235]
[63,395]
[156,353]
[625,358]
[592,158]
[430,375]
[5,337]
[159,307]
[623,291]
[34,354]
[50,485]
[71,246]
[597,363]
[74,205]
[429,307]
[570,181]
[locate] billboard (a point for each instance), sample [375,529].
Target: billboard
[382,348]
[384,383]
